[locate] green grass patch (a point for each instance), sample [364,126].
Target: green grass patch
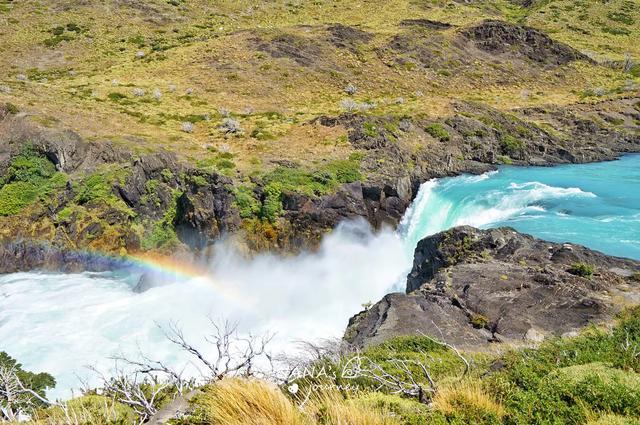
[568,380]
[511,145]
[437,131]
[582,269]
[246,202]
[29,178]
[163,232]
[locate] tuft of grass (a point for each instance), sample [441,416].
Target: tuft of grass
[468,402]
[437,131]
[12,109]
[330,407]
[409,412]
[246,402]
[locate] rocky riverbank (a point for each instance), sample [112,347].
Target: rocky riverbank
[102,195]
[481,288]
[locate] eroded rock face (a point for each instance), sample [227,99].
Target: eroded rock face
[398,154]
[24,255]
[499,37]
[63,147]
[476,287]
[204,213]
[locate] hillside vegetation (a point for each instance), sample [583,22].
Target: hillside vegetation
[592,378]
[135,71]
[282,97]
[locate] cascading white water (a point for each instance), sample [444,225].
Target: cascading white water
[59,323]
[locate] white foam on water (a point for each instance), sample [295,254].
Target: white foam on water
[60,323]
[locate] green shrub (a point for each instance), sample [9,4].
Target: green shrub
[530,385]
[29,177]
[11,108]
[370,129]
[621,17]
[616,31]
[345,170]
[479,321]
[437,131]
[262,133]
[502,159]
[38,382]
[57,39]
[248,206]
[90,409]
[94,187]
[581,269]
[163,232]
[15,196]
[30,168]
[225,164]
[272,204]
[116,97]
[600,386]
[511,145]
[316,182]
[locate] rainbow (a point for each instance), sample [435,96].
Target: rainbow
[163,267]
[168,266]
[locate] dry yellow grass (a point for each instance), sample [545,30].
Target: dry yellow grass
[254,402]
[469,396]
[333,409]
[248,402]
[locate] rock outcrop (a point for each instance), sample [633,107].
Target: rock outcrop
[474,288]
[159,195]
[503,38]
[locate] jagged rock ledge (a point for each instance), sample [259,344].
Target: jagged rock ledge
[474,139]
[475,288]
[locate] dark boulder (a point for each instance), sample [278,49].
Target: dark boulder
[476,287]
[205,212]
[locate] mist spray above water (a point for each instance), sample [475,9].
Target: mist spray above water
[60,323]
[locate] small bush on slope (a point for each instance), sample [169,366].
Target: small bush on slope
[89,410]
[28,178]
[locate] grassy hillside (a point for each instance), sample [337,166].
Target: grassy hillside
[293,99]
[136,72]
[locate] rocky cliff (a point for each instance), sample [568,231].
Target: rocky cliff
[104,195]
[474,288]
